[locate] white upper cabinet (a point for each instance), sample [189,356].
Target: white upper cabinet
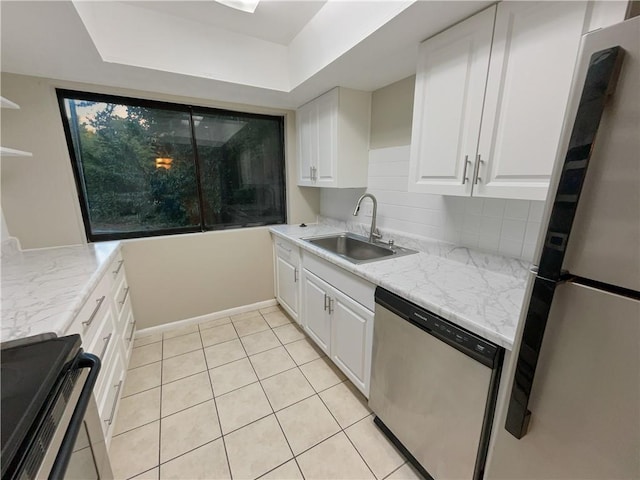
[490,100]
[535,46]
[333,139]
[450,84]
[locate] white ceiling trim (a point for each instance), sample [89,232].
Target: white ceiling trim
[334,30]
[139,37]
[48,39]
[126,34]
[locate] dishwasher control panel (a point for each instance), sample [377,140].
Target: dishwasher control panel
[459,338]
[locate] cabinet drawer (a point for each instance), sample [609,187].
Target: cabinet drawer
[123,314]
[129,333]
[110,398]
[351,285]
[105,346]
[121,295]
[288,251]
[88,320]
[116,269]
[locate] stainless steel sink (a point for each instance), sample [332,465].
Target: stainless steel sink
[358,249]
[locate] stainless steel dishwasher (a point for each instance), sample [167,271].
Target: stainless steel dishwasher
[433,388]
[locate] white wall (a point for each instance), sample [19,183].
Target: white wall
[171,278]
[182,276]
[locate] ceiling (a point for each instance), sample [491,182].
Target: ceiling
[273,21]
[283,55]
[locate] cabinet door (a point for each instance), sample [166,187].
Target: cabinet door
[327,141]
[351,339]
[307,126]
[450,84]
[287,285]
[315,311]
[534,53]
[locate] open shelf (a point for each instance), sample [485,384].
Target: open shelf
[5,103]
[12,152]
[6,151]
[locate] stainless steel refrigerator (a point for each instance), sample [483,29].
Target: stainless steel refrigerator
[570,404]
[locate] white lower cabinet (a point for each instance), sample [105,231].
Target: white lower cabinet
[106,325]
[336,318]
[352,339]
[109,403]
[316,309]
[287,263]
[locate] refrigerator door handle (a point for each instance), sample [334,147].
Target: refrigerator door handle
[600,82]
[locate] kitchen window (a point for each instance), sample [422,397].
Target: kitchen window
[146,168]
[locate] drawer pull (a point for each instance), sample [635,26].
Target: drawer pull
[295,275]
[117,270]
[86,323]
[133,329]
[115,402]
[106,339]
[124,299]
[326,297]
[330,305]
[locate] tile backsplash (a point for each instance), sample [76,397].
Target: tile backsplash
[506,227]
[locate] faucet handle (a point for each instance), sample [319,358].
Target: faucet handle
[376,233]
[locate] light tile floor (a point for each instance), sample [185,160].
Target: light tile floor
[245,397]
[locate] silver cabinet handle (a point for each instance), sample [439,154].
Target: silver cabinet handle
[310,173]
[106,339]
[124,299]
[133,329]
[117,270]
[86,323]
[464,174]
[295,275]
[325,301]
[314,173]
[477,175]
[330,305]
[115,402]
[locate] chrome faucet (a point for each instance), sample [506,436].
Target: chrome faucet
[374,233]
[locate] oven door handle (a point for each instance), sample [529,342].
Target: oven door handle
[92,362]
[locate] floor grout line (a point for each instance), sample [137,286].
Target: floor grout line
[256,374]
[264,392]
[215,405]
[160,413]
[189,451]
[259,381]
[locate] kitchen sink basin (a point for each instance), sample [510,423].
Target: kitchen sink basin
[358,249]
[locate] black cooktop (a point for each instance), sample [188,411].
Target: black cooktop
[29,373]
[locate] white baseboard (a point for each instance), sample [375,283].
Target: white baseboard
[204,318]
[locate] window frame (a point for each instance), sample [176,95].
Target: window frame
[63,94]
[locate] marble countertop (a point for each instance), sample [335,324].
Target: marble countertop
[43,290]
[477,291]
